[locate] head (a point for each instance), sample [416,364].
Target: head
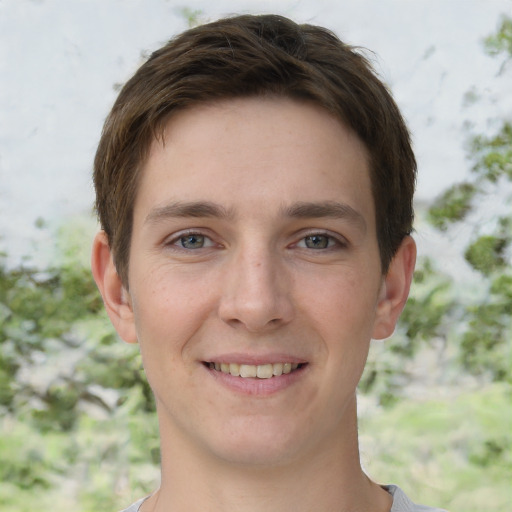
[254,56]
[254,182]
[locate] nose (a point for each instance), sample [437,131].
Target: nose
[256,292]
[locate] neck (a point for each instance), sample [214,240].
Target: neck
[326,478]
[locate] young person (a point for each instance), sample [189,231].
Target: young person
[254,185]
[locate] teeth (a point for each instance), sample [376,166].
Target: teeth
[261,371]
[248,370]
[234,369]
[278,369]
[264,371]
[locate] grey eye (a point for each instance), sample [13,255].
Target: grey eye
[317,242]
[192,241]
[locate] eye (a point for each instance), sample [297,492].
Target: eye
[192,241]
[317,241]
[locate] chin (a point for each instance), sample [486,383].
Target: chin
[259,443]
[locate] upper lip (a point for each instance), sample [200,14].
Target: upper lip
[255,359]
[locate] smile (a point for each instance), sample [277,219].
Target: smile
[260,371]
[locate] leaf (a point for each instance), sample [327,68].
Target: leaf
[487,254]
[501,41]
[452,206]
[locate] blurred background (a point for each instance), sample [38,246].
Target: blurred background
[77,424]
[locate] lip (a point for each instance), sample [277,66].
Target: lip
[255,359]
[254,386]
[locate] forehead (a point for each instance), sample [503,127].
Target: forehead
[279,149]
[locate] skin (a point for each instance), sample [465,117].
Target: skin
[254,241]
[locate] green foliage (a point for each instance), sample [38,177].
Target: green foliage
[485,333]
[191,16]
[22,459]
[463,462]
[487,254]
[501,41]
[486,343]
[494,154]
[486,321]
[452,206]
[429,307]
[73,398]
[425,324]
[45,315]
[447,330]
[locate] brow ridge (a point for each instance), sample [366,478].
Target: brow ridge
[299,210]
[325,209]
[187,209]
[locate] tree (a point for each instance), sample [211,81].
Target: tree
[65,380]
[471,333]
[485,339]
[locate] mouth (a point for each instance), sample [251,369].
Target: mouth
[259,371]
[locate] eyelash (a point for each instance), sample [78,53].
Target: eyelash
[176,242]
[332,241]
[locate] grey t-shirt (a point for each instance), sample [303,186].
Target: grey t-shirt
[401,503]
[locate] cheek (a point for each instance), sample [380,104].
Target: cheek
[344,313]
[168,311]
[344,303]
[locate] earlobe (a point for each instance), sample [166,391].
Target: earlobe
[395,289]
[115,297]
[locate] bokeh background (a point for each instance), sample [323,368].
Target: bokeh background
[77,424]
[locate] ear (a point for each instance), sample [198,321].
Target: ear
[115,297]
[395,289]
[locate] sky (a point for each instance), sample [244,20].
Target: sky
[61,62]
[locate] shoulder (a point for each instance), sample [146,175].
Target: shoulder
[135,506]
[401,503]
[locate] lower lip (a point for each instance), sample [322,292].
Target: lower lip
[258,387]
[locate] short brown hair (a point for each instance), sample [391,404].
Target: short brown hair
[245,56]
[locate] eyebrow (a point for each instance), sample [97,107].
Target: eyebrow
[327,209]
[193,209]
[300,210]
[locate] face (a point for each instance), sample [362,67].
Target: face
[255,283]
